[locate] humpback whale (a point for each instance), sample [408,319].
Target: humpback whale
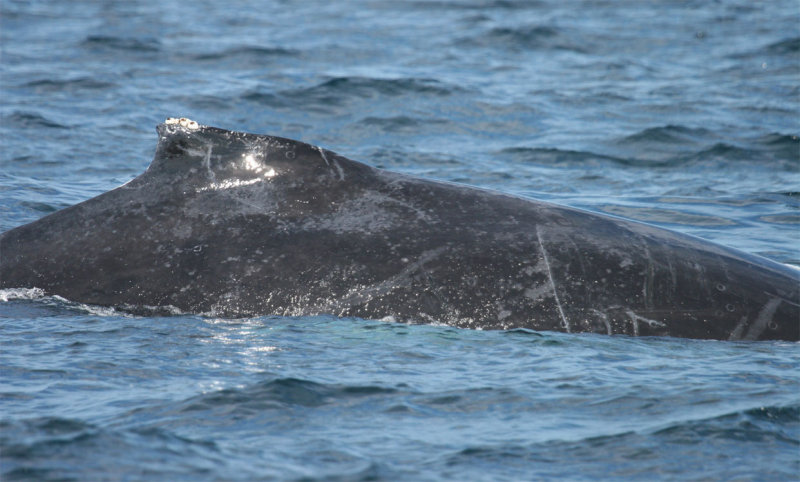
[236,224]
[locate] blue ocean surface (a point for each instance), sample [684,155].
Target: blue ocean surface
[682,114]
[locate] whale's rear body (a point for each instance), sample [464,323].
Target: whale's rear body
[238,224]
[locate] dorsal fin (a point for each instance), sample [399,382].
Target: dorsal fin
[190,150]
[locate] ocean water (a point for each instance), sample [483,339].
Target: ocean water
[681,114]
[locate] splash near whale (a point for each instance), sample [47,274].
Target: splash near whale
[236,224]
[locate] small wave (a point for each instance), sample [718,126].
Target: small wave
[31,120]
[280,393]
[150,310]
[524,332]
[791,142]
[246,52]
[482,5]
[669,134]
[59,302]
[34,437]
[752,438]
[560,157]
[784,47]
[679,145]
[91,309]
[131,44]
[781,218]
[400,123]
[524,38]
[264,98]
[770,423]
[338,91]
[36,449]
[777,415]
[55,425]
[664,216]
[667,147]
[722,152]
[535,337]
[369,86]
[39,295]
[8,294]
[69,85]
[40,206]
[779,152]
[420,162]
[782,147]
[469,401]
[788,47]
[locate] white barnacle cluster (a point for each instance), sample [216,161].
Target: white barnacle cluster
[183,122]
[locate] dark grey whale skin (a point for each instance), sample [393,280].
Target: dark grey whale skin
[233,224]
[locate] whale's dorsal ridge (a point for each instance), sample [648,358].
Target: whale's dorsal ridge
[234,224]
[187,149]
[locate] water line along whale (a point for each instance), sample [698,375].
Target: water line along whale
[237,224]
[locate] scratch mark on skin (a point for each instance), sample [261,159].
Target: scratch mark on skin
[552,282]
[736,334]
[421,214]
[335,164]
[783,300]
[635,319]
[763,319]
[604,317]
[673,274]
[240,200]
[324,158]
[207,164]
[647,288]
[579,256]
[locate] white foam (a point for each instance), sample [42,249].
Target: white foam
[21,294]
[10,294]
[93,309]
[155,310]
